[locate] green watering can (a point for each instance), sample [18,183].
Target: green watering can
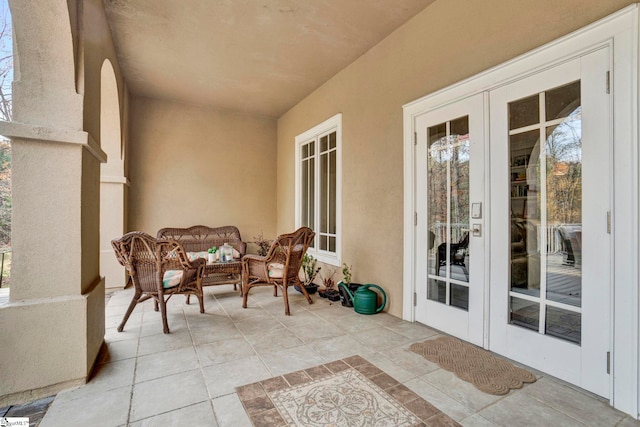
[364,300]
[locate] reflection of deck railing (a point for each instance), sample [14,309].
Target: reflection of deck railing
[554,242]
[458,231]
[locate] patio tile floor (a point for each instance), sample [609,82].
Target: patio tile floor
[188,377]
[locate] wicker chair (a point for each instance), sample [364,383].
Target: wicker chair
[279,268]
[158,269]
[121,257]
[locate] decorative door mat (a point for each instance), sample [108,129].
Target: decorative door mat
[349,392]
[485,371]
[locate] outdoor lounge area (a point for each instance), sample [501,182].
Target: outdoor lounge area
[189,377]
[468,169]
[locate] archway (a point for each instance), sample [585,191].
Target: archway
[112,178]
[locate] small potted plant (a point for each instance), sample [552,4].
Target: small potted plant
[346,279]
[211,254]
[346,274]
[330,292]
[262,244]
[310,272]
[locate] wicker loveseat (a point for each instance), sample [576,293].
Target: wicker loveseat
[199,238]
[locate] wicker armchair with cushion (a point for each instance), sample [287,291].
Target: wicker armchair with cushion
[158,269]
[279,268]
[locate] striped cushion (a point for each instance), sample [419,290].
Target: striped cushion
[195,255]
[172,278]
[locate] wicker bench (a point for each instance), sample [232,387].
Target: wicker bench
[199,238]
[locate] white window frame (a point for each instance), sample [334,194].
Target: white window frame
[330,125]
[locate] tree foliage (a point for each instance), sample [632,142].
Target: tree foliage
[5,193]
[6,63]
[6,79]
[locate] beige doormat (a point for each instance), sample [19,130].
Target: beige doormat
[485,371]
[349,392]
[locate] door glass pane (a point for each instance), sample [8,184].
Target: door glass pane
[524,112]
[546,211]
[460,296]
[448,215]
[458,259]
[437,290]
[525,313]
[561,101]
[437,193]
[564,210]
[563,324]
[525,217]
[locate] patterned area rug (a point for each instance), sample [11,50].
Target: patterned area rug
[349,392]
[485,371]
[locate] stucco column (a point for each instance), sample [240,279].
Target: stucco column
[53,326]
[54,322]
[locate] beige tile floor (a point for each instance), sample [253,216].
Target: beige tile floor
[188,377]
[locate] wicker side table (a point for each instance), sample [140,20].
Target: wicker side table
[223,273]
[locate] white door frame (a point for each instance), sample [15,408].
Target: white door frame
[620,32]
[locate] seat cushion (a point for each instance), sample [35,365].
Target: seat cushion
[276,270]
[172,278]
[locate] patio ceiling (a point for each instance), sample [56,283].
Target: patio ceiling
[254,56]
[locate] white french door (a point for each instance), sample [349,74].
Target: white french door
[450,229]
[558,286]
[550,245]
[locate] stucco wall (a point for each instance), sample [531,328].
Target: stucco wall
[447,42]
[193,165]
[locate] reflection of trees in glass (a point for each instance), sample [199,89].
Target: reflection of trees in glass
[460,181]
[452,152]
[438,158]
[563,151]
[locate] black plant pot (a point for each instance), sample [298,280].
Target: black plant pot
[311,288]
[332,294]
[345,299]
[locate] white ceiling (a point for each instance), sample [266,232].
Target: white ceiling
[254,56]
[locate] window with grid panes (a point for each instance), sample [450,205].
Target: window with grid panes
[318,187]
